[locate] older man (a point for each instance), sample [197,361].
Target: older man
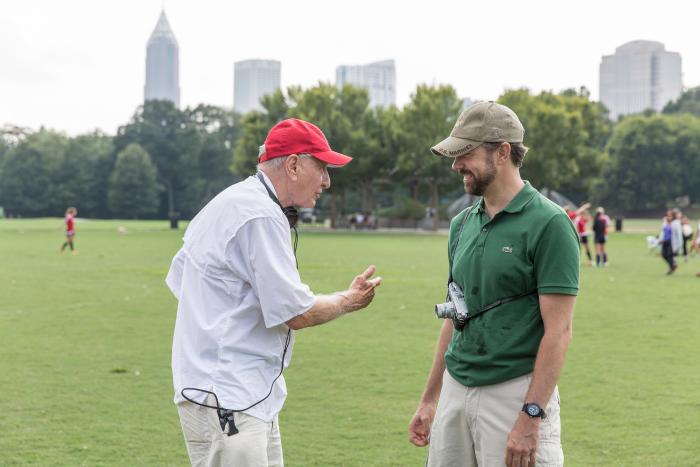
[515,255]
[241,297]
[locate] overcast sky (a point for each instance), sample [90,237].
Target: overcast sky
[75,66]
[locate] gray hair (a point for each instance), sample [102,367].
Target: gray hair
[277,162]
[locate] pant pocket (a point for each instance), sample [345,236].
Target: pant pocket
[549,454]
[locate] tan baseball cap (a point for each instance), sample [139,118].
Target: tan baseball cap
[483,122]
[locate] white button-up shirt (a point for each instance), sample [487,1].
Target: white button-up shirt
[236,282]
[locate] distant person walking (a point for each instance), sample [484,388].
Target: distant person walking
[580,223]
[71,212]
[600,234]
[695,244]
[666,244]
[687,231]
[676,231]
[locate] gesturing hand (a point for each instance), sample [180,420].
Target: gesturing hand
[361,291]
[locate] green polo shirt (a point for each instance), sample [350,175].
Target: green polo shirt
[529,246]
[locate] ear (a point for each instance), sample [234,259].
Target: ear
[503,153]
[292,166]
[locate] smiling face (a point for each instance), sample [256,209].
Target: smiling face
[311,179]
[478,169]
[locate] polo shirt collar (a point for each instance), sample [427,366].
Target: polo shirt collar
[521,199]
[516,204]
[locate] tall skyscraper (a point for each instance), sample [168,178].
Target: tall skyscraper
[379,79]
[252,79]
[162,64]
[640,75]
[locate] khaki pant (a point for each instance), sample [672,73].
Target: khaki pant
[471,425]
[257,443]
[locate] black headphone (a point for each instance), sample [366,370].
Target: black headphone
[289,212]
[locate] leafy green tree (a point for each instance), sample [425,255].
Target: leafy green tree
[28,180]
[218,131]
[688,102]
[171,139]
[566,134]
[83,175]
[342,115]
[653,160]
[426,120]
[254,128]
[133,186]
[379,154]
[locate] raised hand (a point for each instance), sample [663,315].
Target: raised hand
[361,290]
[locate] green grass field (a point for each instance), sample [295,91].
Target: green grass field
[85,352]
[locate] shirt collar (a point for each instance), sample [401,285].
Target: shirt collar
[269,183]
[516,204]
[523,197]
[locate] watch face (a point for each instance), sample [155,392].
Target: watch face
[533,410]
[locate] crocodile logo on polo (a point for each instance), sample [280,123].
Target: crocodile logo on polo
[507,249]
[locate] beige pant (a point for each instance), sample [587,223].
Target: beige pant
[257,443]
[471,425]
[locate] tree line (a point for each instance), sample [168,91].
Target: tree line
[167,162]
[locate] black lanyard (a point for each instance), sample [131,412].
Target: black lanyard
[498,302]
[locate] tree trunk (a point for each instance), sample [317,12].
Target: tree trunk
[414,189]
[172,215]
[364,188]
[333,210]
[434,204]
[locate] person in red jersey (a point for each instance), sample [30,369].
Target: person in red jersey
[574,213]
[580,223]
[71,212]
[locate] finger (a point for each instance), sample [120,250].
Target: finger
[509,458]
[533,457]
[368,272]
[419,441]
[375,282]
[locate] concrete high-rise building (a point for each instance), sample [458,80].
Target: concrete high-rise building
[162,64]
[252,79]
[640,75]
[379,79]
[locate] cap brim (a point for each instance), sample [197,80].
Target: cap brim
[332,158]
[454,147]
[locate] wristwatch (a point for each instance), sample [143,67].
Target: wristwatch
[533,410]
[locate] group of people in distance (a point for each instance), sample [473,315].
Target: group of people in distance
[599,229]
[359,221]
[676,233]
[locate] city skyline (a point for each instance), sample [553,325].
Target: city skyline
[252,79]
[162,64]
[79,65]
[378,78]
[640,75]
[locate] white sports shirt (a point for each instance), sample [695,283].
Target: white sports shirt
[236,282]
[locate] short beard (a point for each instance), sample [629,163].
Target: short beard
[482,182]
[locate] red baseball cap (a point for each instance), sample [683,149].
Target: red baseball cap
[294,136]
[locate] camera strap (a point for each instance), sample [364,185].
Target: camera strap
[454,249]
[498,302]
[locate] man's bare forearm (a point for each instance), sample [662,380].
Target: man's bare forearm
[326,308]
[431,393]
[548,365]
